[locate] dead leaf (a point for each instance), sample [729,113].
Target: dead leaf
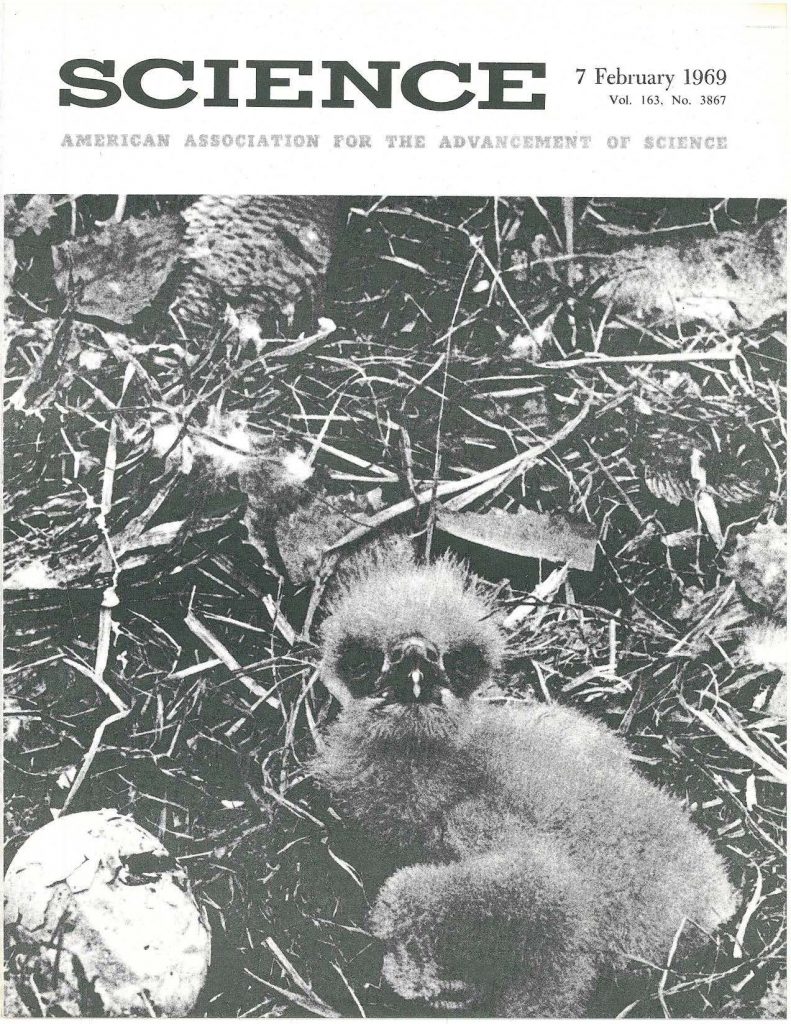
[35,215]
[119,270]
[557,538]
[758,565]
[535,610]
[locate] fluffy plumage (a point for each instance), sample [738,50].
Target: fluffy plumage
[518,854]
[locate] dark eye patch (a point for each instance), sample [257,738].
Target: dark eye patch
[359,666]
[466,668]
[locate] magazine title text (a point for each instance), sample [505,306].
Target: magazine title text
[436,85]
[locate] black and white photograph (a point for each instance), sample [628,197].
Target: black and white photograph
[394,606]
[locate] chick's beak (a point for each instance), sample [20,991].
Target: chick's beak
[412,672]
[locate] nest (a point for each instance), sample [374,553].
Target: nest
[182,476]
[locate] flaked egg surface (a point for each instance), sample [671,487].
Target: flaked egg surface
[100,920]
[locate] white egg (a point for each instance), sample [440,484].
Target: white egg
[100,920]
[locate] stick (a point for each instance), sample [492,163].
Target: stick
[218,648]
[493,477]
[744,746]
[724,353]
[109,601]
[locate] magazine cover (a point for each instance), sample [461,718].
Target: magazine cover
[394,523]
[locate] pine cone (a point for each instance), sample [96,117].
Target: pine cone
[676,426]
[263,255]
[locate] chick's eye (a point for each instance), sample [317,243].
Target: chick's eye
[466,668]
[359,665]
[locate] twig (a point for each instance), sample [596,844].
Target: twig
[329,562]
[741,744]
[568,226]
[301,345]
[218,648]
[486,480]
[665,973]
[749,910]
[310,1003]
[541,594]
[87,761]
[109,601]
[194,670]
[432,516]
[349,988]
[634,706]
[295,809]
[723,353]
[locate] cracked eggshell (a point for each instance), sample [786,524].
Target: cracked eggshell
[100,915]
